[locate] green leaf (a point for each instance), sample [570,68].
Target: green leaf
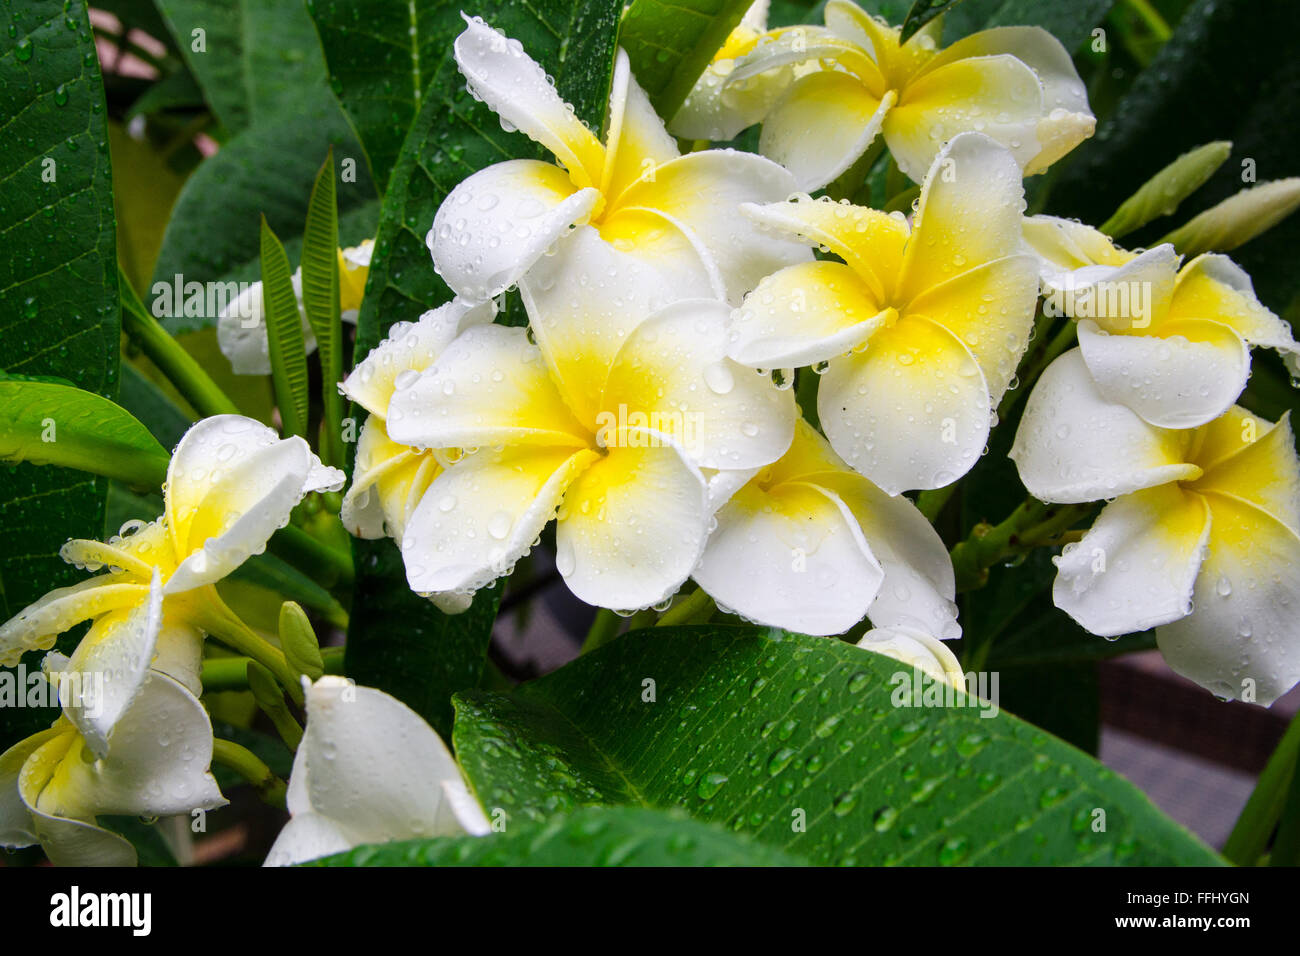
[670,44]
[758,731]
[256,60]
[320,299]
[58,284]
[380,55]
[49,424]
[402,644]
[922,12]
[1162,193]
[284,335]
[593,837]
[1250,836]
[454,135]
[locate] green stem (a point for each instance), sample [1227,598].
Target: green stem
[1032,525]
[329,567]
[696,608]
[604,628]
[172,360]
[231,672]
[1259,817]
[223,624]
[248,765]
[850,182]
[1286,845]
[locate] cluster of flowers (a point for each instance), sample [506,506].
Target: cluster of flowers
[647,409]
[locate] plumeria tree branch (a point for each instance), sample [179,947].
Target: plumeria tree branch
[1032,525]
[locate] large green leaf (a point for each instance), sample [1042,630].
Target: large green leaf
[796,741]
[58,281]
[593,837]
[50,424]
[670,44]
[1070,21]
[257,60]
[398,641]
[402,644]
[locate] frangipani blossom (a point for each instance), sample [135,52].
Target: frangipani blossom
[609,419]
[919,649]
[677,213]
[921,328]
[811,546]
[241,326]
[232,482]
[1015,84]
[369,770]
[1172,344]
[55,783]
[1200,540]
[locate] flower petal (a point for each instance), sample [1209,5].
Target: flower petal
[1241,641]
[1124,298]
[498,222]
[36,626]
[157,762]
[822,125]
[1214,287]
[1188,375]
[231,484]
[991,309]
[582,303]
[803,315]
[67,842]
[637,140]
[17,828]
[673,370]
[917,649]
[1258,467]
[997,96]
[1136,566]
[410,346]
[869,241]
[502,75]
[807,44]
[308,836]
[969,214]
[1066,118]
[791,556]
[703,193]
[388,482]
[915,379]
[1073,445]
[374,767]
[109,668]
[919,588]
[489,387]
[484,513]
[633,524]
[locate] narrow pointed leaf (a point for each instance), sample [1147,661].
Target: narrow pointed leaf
[284,335]
[320,299]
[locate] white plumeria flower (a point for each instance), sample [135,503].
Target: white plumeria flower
[232,482]
[1172,344]
[241,326]
[677,213]
[715,111]
[369,770]
[1200,540]
[390,479]
[921,328]
[54,784]
[810,545]
[919,649]
[1016,84]
[610,418]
